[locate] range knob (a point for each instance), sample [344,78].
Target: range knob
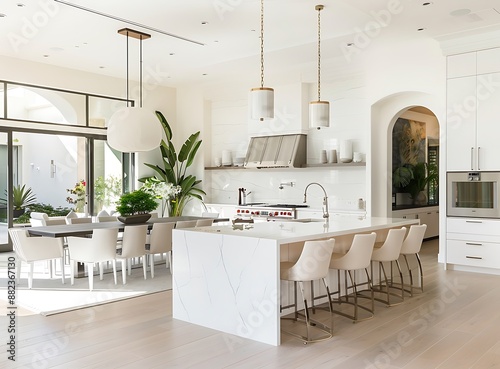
[257,212]
[247,211]
[238,210]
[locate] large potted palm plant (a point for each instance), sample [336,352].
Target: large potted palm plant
[174,169]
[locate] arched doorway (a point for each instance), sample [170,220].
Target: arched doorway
[384,114]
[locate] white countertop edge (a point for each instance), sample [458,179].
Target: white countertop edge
[298,232]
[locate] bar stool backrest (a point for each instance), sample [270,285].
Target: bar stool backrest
[359,254]
[413,242]
[313,262]
[391,248]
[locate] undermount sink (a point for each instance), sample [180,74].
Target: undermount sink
[308,220]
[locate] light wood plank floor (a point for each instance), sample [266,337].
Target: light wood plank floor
[453,324]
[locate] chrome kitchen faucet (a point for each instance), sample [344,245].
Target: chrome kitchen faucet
[326,215]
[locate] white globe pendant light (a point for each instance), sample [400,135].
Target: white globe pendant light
[319,111]
[134,129]
[262,98]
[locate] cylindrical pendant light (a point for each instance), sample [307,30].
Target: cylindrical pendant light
[262,98]
[319,111]
[134,129]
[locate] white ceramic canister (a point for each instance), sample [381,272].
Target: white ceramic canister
[345,151]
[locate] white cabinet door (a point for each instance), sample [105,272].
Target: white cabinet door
[488,121]
[461,124]
[488,61]
[461,65]
[431,218]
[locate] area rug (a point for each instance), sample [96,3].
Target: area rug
[49,296]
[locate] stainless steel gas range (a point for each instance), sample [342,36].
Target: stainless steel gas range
[268,212]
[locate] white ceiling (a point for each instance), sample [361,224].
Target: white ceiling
[49,31]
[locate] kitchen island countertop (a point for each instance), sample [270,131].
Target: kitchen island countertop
[227,277]
[298,230]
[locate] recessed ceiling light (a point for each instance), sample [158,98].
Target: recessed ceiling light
[460,12]
[2,15]
[204,74]
[46,56]
[56,49]
[171,54]
[21,5]
[420,29]
[204,23]
[427,3]
[216,40]
[349,44]
[101,67]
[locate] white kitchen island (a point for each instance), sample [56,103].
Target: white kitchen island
[227,277]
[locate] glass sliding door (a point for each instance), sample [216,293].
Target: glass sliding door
[107,176]
[54,168]
[4,204]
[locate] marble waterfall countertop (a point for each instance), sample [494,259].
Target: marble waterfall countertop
[227,277]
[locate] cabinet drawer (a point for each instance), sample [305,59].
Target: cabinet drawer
[473,226]
[479,254]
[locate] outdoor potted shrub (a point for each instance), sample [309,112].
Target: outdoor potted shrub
[134,207]
[21,198]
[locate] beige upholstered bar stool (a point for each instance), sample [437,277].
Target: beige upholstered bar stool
[411,246]
[357,258]
[312,265]
[388,252]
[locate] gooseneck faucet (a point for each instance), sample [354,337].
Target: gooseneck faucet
[326,215]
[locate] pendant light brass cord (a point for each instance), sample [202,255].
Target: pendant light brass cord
[140,73]
[261,43]
[319,8]
[128,101]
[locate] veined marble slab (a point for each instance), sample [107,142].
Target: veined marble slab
[227,277]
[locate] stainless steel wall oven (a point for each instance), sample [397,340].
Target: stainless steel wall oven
[473,194]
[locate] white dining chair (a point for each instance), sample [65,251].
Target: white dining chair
[98,249]
[31,249]
[185,224]
[104,218]
[159,241]
[79,220]
[204,222]
[133,245]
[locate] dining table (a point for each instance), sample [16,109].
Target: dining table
[85,229]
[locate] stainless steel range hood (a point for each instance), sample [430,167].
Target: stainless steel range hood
[280,151]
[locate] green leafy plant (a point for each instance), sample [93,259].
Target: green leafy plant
[136,202]
[107,191]
[41,208]
[414,178]
[175,167]
[21,197]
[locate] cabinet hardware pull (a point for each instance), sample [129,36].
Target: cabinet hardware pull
[474,244]
[478,155]
[474,257]
[473,221]
[471,158]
